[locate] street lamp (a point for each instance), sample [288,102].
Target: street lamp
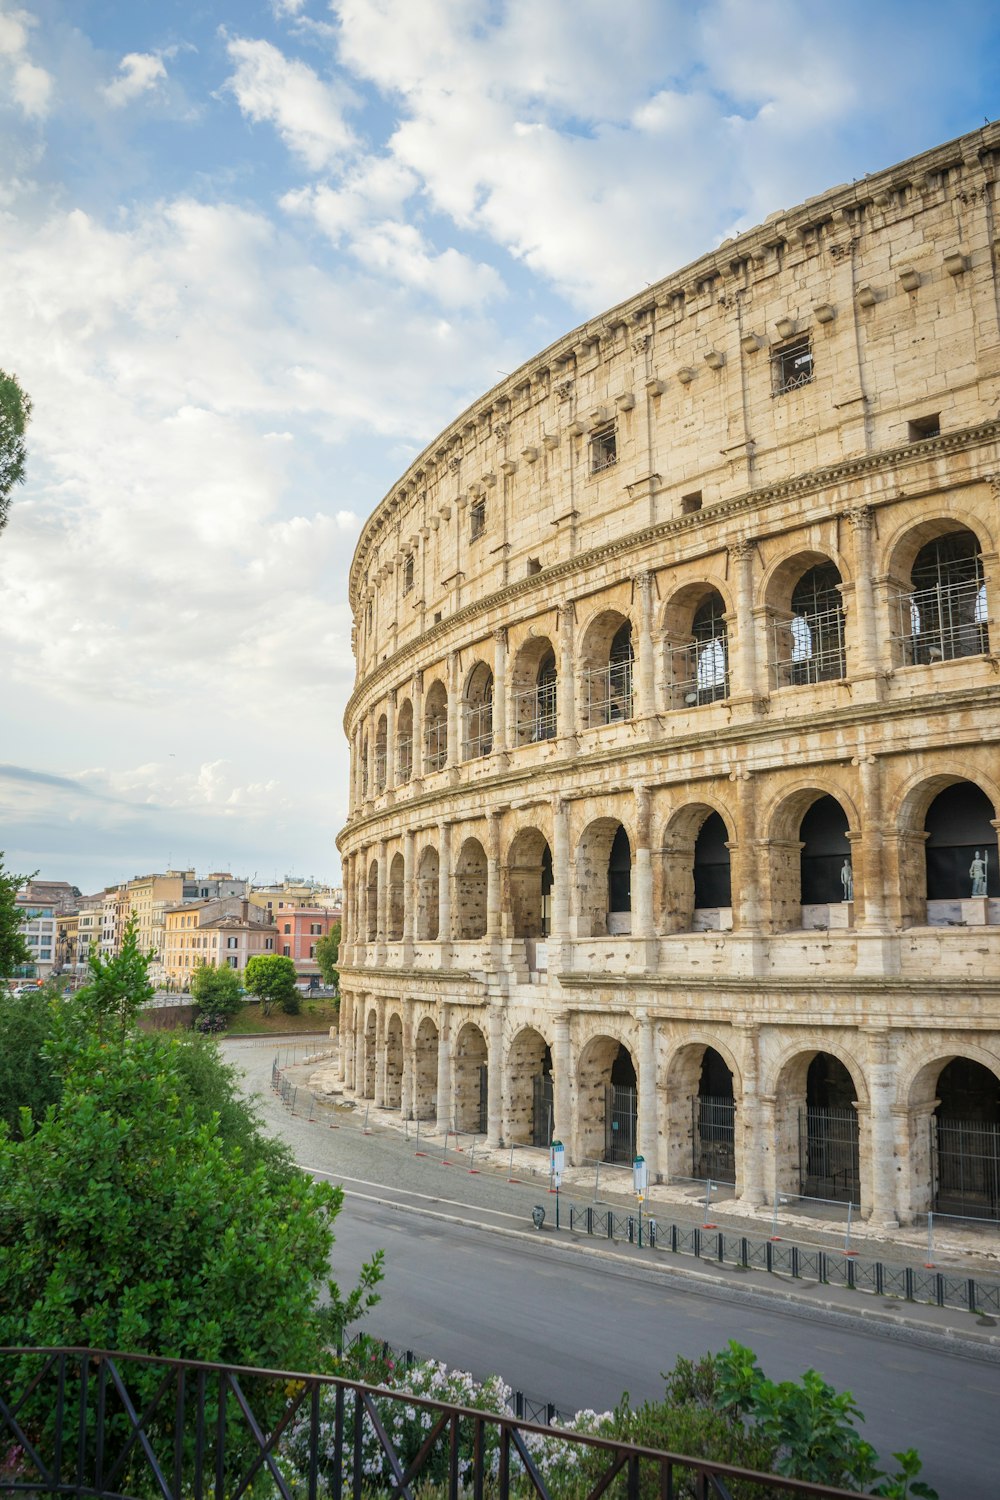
[557,1161]
[640,1177]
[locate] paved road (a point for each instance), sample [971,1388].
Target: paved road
[576,1326]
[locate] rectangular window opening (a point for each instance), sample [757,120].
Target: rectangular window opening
[924,427]
[792,365]
[477,518]
[691,503]
[603,448]
[533,566]
[408,575]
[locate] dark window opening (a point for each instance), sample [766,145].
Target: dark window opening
[603,448]
[620,873]
[792,366]
[477,518]
[961,847]
[407,575]
[712,880]
[825,853]
[946,615]
[691,503]
[924,427]
[817,627]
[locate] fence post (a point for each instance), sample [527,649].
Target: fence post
[939,1289]
[851,1268]
[795,1261]
[822,1267]
[696,1236]
[652,1234]
[590,1219]
[519,1405]
[673,1238]
[879,1279]
[611,1224]
[744,1253]
[722,1249]
[908,1283]
[768,1256]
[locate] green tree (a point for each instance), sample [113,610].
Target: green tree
[271,977]
[13,950]
[327,953]
[15,412]
[27,1077]
[119,986]
[217,991]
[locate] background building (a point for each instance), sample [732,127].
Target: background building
[674,792]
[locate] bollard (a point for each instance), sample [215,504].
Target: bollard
[929,1262]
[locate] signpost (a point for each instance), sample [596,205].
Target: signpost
[640,1177]
[557,1161]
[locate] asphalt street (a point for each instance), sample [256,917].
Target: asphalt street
[469,1281]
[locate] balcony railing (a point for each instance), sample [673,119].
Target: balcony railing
[535,714]
[404,758]
[698,673]
[436,745]
[808,648]
[607,693]
[380,764]
[942,623]
[117,1426]
[478,732]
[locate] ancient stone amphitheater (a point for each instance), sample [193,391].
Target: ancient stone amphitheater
[674,788]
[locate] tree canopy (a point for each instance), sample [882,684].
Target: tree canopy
[271,977]
[13,950]
[15,413]
[217,991]
[327,953]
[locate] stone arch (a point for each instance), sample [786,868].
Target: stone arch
[784,821]
[371,901]
[404,742]
[529,1089]
[427,895]
[939,606]
[470,1074]
[686,877]
[396,897]
[593,860]
[425,1069]
[911,837]
[696,644]
[381,746]
[702,1091]
[803,595]
[902,545]
[469,905]
[954,1143]
[527,878]
[534,691]
[394,1061]
[605,669]
[477,712]
[606,1101]
[435,726]
[819,1150]
[371,1053]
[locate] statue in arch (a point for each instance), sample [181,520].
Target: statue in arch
[977,874]
[847,878]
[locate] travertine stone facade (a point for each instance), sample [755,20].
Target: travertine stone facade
[675,779]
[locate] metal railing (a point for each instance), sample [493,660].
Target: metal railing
[380,769]
[608,693]
[478,732]
[535,714]
[436,745]
[698,673]
[942,623]
[404,758]
[115,1426]
[808,648]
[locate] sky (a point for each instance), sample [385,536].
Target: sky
[257,253]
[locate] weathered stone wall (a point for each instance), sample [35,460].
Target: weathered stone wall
[821,393]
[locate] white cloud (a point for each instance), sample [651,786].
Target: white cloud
[30,86]
[138,72]
[307,113]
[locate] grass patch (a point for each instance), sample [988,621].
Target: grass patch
[316,1015]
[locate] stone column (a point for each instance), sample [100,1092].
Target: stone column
[409,894]
[745,874]
[390,742]
[561,883]
[379,1099]
[358,767]
[359,1045]
[881,1091]
[649,1142]
[500,690]
[444,892]
[566,685]
[872,860]
[562,1125]
[454,714]
[370,759]
[494,1078]
[381,904]
[406,1084]
[493,877]
[362,859]
[347,915]
[865,645]
[642,869]
[645,700]
[344,1061]
[417,703]
[445,1101]
[743,661]
[751,1158]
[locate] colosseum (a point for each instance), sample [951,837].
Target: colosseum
[674,778]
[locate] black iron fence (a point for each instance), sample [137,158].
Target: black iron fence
[828,1267]
[87,1422]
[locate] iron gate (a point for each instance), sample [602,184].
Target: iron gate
[829,1162]
[484,1096]
[714,1138]
[965,1163]
[541,1111]
[619,1122]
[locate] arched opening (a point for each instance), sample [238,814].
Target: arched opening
[808,644]
[607,1107]
[371,900]
[394,1062]
[606,662]
[620,883]
[965,1141]
[435,728]
[701,1116]
[713,892]
[826,877]
[364,766]
[533,684]
[817,1140]
[478,713]
[371,1028]
[696,886]
[944,614]
[960,850]
[425,1065]
[699,666]
[604,842]
[404,742]
[428,874]
[530,1098]
[469,905]
[381,733]
[395,899]
[529,885]
[470,1079]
